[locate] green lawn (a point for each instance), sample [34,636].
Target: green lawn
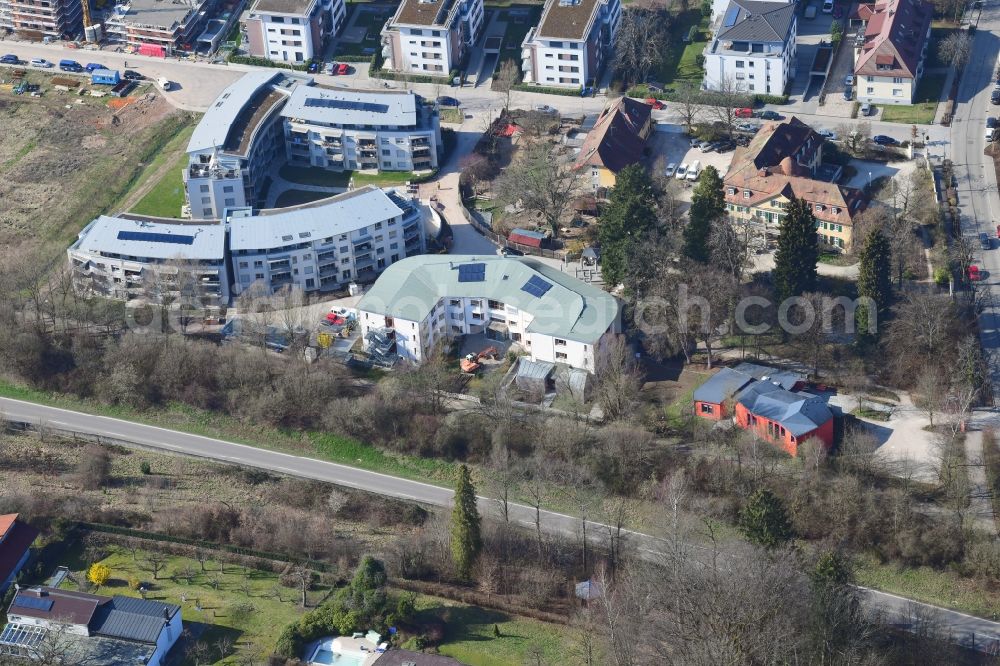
[922,111]
[452,116]
[941,588]
[297,197]
[225,612]
[469,636]
[167,196]
[315,176]
[679,60]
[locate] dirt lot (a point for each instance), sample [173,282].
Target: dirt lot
[66,158]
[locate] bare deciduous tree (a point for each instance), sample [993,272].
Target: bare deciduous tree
[641,39]
[956,48]
[540,183]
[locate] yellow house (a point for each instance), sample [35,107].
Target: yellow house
[617,140]
[780,163]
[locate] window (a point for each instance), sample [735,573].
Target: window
[739,64]
[707,409]
[477,316]
[897,79]
[203,188]
[897,92]
[244,264]
[259,276]
[560,356]
[746,194]
[871,90]
[495,305]
[228,189]
[819,208]
[560,343]
[230,202]
[457,302]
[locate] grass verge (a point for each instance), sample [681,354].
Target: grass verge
[924,106]
[298,197]
[166,198]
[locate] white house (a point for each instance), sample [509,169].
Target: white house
[421,301]
[753,48]
[292,31]
[571,43]
[431,37]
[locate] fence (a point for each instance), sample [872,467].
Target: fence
[479,225]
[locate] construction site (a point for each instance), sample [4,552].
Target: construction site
[68,156]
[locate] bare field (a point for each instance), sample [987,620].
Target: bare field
[65,159]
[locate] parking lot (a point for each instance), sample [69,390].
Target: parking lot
[674,147]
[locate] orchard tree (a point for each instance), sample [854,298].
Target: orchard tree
[466,541]
[627,220]
[795,260]
[707,206]
[764,520]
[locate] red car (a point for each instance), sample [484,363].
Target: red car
[743,113]
[655,103]
[998,231]
[343,68]
[974,274]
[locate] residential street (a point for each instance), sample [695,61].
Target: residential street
[965,629]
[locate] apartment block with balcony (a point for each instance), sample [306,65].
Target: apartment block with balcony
[431,37]
[890,50]
[571,44]
[161,24]
[292,31]
[131,257]
[551,316]
[753,48]
[327,244]
[341,129]
[42,18]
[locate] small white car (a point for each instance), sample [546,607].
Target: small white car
[827,134]
[671,170]
[693,171]
[866,109]
[40,62]
[164,84]
[681,172]
[849,80]
[827,6]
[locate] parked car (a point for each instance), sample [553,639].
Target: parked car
[771,115]
[511,252]
[91,66]
[9,59]
[444,100]
[132,75]
[743,140]
[693,171]
[995,97]
[70,66]
[984,241]
[866,109]
[707,147]
[313,67]
[655,103]
[849,80]
[681,172]
[998,231]
[883,140]
[672,169]
[974,274]
[827,134]
[848,93]
[726,145]
[40,62]
[164,84]
[328,68]
[827,6]
[545,108]
[743,113]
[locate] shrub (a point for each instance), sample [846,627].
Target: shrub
[145,468]
[693,33]
[941,276]
[134,583]
[854,109]
[531,87]
[98,574]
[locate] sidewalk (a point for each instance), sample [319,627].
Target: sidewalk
[980,498]
[943,99]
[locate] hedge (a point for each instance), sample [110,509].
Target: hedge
[643,92]
[264,62]
[531,87]
[349,57]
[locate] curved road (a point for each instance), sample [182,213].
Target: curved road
[965,629]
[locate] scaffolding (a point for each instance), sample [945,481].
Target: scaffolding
[381,346]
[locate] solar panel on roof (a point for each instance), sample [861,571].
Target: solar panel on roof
[731,15]
[151,237]
[346,105]
[33,603]
[472,273]
[536,286]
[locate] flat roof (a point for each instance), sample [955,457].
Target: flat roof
[336,215]
[159,12]
[293,7]
[352,107]
[567,21]
[422,12]
[152,240]
[213,128]
[561,305]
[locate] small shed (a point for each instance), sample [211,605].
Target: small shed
[586,204]
[534,376]
[107,77]
[526,237]
[590,256]
[588,590]
[575,382]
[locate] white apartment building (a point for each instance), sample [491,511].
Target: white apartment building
[125,258]
[327,244]
[421,301]
[292,31]
[571,44]
[341,129]
[753,49]
[431,37]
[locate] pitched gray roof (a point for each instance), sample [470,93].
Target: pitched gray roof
[798,413]
[133,619]
[785,378]
[571,309]
[758,21]
[721,386]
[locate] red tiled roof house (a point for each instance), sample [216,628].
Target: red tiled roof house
[16,538]
[890,54]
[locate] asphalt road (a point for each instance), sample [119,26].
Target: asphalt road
[968,630]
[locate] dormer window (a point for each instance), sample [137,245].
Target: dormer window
[746,194]
[819,208]
[836,210]
[731,190]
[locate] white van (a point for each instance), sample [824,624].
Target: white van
[164,84]
[694,170]
[827,6]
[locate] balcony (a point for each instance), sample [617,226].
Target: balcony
[281,279]
[323,256]
[423,151]
[329,269]
[279,264]
[422,164]
[364,262]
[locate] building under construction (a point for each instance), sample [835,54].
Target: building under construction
[160,27]
[36,19]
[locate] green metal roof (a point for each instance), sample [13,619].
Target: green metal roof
[571,309]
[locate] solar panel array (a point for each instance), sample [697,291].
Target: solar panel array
[472,273]
[150,237]
[536,286]
[33,603]
[731,15]
[346,105]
